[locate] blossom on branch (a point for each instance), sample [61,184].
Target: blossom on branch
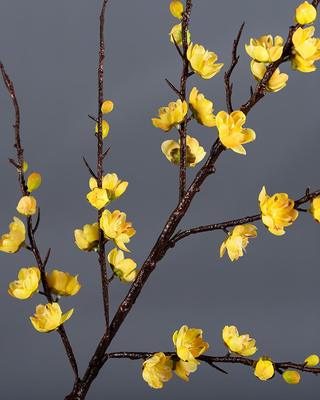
[243,345]
[237,241]
[157,369]
[194,152]
[202,108]
[26,284]
[87,238]
[265,49]
[171,116]
[305,13]
[62,283]
[49,317]
[189,343]
[11,242]
[202,61]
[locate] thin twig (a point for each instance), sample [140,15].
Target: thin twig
[89,168]
[35,228]
[173,88]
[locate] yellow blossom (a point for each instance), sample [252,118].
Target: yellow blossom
[231,131]
[195,152]
[116,228]
[176,8]
[265,49]
[277,211]
[107,107]
[184,368]
[98,198]
[26,284]
[189,343]
[171,116]
[243,345]
[27,205]
[62,283]
[202,61]
[124,268]
[49,317]
[306,49]
[33,181]
[306,13]
[176,35]
[87,238]
[112,184]
[157,369]
[264,369]
[12,241]
[105,129]
[237,241]
[312,361]
[315,208]
[277,81]
[291,377]
[202,108]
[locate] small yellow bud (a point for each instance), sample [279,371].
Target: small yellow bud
[107,107]
[189,343]
[27,205]
[34,181]
[157,369]
[306,13]
[202,61]
[98,198]
[176,34]
[49,317]
[26,284]
[25,166]
[291,377]
[264,369]
[12,241]
[105,129]
[62,283]
[315,208]
[176,9]
[312,361]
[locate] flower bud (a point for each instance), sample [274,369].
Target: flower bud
[105,129]
[176,9]
[27,205]
[291,377]
[107,107]
[306,13]
[312,361]
[34,181]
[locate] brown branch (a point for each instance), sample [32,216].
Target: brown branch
[228,73]
[174,88]
[89,168]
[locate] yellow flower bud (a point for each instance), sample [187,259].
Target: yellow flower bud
[34,181]
[171,116]
[315,208]
[157,369]
[202,61]
[107,107]
[306,49]
[231,131]
[291,377]
[189,343]
[237,241]
[243,345]
[98,198]
[184,368]
[306,13]
[277,211]
[265,49]
[264,369]
[123,268]
[105,129]
[277,81]
[26,284]
[112,184]
[62,283]
[176,8]
[195,152]
[25,166]
[312,361]
[202,108]
[27,205]
[49,317]
[12,241]
[176,34]
[87,238]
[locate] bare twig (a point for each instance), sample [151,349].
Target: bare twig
[173,88]
[89,168]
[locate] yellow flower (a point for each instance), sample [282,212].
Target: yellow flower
[306,49]
[27,205]
[33,181]
[277,81]
[176,34]
[107,107]
[184,368]
[157,369]
[26,284]
[62,283]
[98,198]
[237,241]
[25,166]
[171,116]
[124,268]
[49,317]
[202,61]
[176,9]
[312,361]
[265,49]
[264,369]
[112,184]
[87,238]
[305,13]
[195,152]
[12,241]
[277,211]
[291,377]
[243,345]
[315,208]
[202,108]
[115,227]
[189,343]
[231,132]
[105,129]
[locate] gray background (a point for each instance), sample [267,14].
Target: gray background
[50,50]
